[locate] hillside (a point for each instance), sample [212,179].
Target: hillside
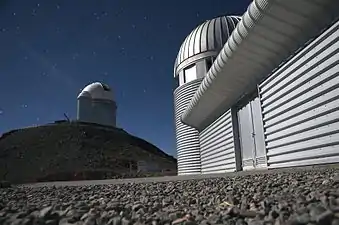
[75,151]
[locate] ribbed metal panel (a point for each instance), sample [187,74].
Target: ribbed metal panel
[217,146]
[300,103]
[100,111]
[268,33]
[207,39]
[188,146]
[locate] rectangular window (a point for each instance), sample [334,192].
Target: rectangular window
[190,73]
[209,62]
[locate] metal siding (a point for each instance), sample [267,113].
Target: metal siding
[300,104]
[84,109]
[243,63]
[217,146]
[96,111]
[103,112]
[187,138]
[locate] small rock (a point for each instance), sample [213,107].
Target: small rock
[303,219]
[336,179]
[45,212]
[335,222]
[315,211]
[52,222]
[125,221]
[115,221]
[248,213]
[325,182]
[325,217]
[136,207]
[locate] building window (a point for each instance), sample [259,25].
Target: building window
[190,73]
[209,62]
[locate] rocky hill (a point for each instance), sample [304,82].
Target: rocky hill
[75,151]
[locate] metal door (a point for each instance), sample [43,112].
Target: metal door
[251,135]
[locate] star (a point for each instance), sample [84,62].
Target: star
[58,6]
[34,13]
[14,14]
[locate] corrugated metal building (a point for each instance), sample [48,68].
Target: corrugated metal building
[270,97]
[195,57]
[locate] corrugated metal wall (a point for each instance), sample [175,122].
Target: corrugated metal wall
[188,147]
[98,111]
[217,146]
[300,103]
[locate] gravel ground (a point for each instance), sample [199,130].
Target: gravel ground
[300,197]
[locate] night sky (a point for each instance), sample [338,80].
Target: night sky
[50,50]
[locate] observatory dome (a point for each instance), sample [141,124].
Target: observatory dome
[97,90]
[204,41]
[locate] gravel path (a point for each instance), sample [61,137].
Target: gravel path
[301,197]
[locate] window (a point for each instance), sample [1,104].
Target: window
[209,62]
[190,73]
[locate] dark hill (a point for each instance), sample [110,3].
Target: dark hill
[74,151]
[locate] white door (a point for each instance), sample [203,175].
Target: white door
[251,135]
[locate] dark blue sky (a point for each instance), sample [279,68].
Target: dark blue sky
[51,49]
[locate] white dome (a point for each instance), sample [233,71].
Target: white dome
[97,90]
[205,40]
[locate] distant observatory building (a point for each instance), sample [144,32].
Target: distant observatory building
[96,104]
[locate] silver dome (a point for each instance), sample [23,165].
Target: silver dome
[205,40]
[97,90]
